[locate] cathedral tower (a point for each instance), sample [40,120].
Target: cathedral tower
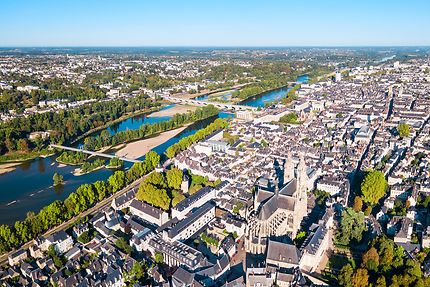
[288,168]
[302,198]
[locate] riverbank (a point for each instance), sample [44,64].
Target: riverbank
[120,119]
[139,148]
[188,96]
[221,97]
[9,163]
[8,167]
[79,172]
[240,101]
[177,109]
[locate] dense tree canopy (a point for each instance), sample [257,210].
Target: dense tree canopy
[404,130]
[174,178]
[383,264]
[373,187]
[156,196]
[291,118]
[66,125]
[117,180]
[351,227]
[185,142]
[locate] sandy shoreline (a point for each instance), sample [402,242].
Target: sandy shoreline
[8,167]
[139,148]
[217,94]
[177,109]
[78,171]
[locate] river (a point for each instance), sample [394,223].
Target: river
[29,187]
[261,99]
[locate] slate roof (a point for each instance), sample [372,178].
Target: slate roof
[183,276]
[193,198]
[283,252]
[183,224]
[279,200]
[146,208]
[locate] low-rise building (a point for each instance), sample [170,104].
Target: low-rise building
[17,257]
[148,213]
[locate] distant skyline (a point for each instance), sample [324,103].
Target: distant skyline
[214,23]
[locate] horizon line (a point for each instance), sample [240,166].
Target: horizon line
[212,46]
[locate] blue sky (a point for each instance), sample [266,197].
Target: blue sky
[214,23]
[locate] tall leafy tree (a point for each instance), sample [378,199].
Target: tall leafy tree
[152,160]
[174,178]
[360,278]
[345,276]
[404,130]
[352,226]
[153,195]
[373,187]
[117,180]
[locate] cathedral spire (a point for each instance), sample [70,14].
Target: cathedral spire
[288,168]
[302,177]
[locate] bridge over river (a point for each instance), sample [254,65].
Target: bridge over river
[94,153]
[205,103]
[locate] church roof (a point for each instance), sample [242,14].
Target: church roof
[290,188]
[278,200]
[263,195]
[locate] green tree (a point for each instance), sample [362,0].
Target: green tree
[413,268]
[157,179]
[8,239]
[300,238]
[321,196]
[385,249]
[159,259]
[101,188]
[380,282]
[352,226]
[398,259]
[122,244]
[117,180]
[290,118]
[23,231]
[174,178]
[136,273]
[345,276]
[116,162]
[84,237]
[171,151]
[152,159]
[58,261]
[373,187]
[57,178]
[153,195]
[176,197]
[404,130]
[22,145]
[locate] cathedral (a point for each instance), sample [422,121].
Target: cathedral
[278,211]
